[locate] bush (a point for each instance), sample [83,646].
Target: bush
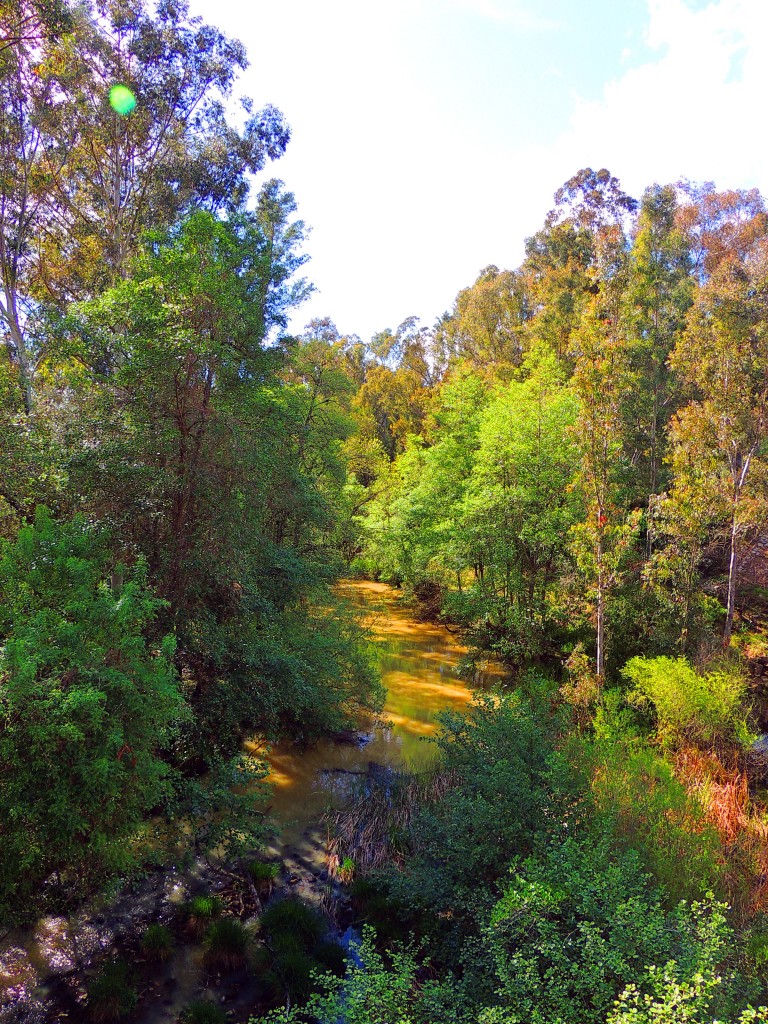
[574,926]
[112,994]
[78,678]
[499,754]
[157,943]
[226,945]
[702,707]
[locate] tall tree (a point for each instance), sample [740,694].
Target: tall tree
[657,295]
[723,356]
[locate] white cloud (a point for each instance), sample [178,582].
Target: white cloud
[695,110]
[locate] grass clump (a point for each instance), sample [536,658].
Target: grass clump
[112,994]
[263,871]
[296,949]
[156,943]
[290,918]
[226,945]
[203,1011]
[200,913]
[263,874]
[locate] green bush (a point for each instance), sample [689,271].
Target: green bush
[112,994]
[574,925]
[499,754]
[685,703]
[86,703]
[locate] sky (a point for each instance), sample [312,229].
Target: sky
[429,136]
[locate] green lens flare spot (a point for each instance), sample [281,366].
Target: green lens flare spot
[121,99]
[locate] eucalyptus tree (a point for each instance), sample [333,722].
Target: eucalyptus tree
[79,182]
[722,356]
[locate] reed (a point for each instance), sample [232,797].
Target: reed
[374,830]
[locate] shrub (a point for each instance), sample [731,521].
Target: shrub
[112,994]
[226,945]
[78,676]
[157,943]
[685,703]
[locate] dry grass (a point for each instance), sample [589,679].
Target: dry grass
[373,831]
[722,785]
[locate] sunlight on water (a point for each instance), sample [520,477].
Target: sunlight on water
[419,667]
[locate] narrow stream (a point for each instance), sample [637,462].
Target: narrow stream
[419,665]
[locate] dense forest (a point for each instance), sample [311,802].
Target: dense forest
[570,468]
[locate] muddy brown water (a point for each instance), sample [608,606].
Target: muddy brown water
[419,665]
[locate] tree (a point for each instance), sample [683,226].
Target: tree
[486,325]
[658,293]
[80,183]
[722,357]
[604,538]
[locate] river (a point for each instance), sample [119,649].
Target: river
[419,664]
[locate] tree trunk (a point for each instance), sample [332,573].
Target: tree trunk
[732,567]
[600,656]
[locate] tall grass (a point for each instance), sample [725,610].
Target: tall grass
[373,831]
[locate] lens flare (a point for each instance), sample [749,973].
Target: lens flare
[121,99]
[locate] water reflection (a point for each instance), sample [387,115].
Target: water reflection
[419,666]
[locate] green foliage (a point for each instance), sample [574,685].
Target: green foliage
[85,706]
[499,756]
[636,798]
[672,1001]
[572,928]
[112,994]
[371,993]
[226,944]
[702,706]
[199,913]
[203,1011]
[157,943]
